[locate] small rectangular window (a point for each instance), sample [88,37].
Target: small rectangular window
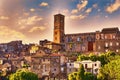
[95,64]
[105,37]
[106,50]
[102,36]
[78,39]
[99,47]
[111,43]
[117,50]
[106,44]
[113,36]
[117,43]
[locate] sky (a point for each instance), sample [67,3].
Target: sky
[32,20]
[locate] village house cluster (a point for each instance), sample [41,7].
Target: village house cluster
[45,64]
[47,59]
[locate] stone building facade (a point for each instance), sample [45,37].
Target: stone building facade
[99,41]
[108,39]
[59,28]
[82,42]
[51,66]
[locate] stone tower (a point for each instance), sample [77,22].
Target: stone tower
[59,28]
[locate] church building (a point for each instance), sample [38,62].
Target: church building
[100,41]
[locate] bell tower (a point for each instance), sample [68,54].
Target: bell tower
[59,28]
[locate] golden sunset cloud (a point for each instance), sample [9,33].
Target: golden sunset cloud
[44,4]
[113,7]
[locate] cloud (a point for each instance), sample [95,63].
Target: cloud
[81,16]
[88,10]
[44,4]
[113,7]
[32,9]
[4,18]
[7,34]
[77,17]
[37,28]
[30,20]
[74,11]
[82,5]
[65,11]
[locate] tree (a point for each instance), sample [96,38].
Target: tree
[72,76]
[101,75]
[82,57]
[89,76]
[93,57]
[80,75]
[110,53]
[103,59]
[23,74]
[77,75]
[110,71]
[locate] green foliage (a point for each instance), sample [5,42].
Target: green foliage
[82,57]
[104,58]
[113,58]
[72,76]
[110,71]
[93,57]
[89,76]
[101,75]
[23,74]
[80,75]
[110,53]
[25,65]
[77,75]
